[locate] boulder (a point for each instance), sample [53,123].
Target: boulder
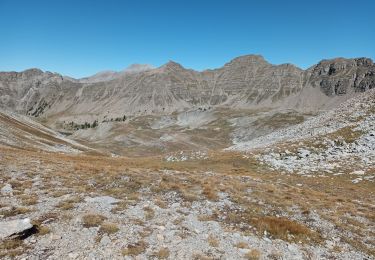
[14,228]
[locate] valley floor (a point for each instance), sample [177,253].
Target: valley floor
[224,205]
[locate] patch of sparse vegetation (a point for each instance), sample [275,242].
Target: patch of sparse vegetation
[242,245]
[253,254]
[28,200]
[347,134]
[163,253]
[69,203]
[14,211]
[12,248]
[149,213]
[212,241]
[283,228]
[92,220]
[135,249]
[209,192]
[109,228]
[76,126]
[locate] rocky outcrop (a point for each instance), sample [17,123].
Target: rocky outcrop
[341,76]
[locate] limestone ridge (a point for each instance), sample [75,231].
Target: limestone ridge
[247,81]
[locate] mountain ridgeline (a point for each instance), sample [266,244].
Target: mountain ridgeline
[245,82]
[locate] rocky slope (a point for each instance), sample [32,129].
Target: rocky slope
[21,132]
[340,141]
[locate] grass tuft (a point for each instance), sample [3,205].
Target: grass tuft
[92,220]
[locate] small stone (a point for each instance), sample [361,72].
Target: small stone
[105,241]
[267,239]
[358,172]
[102,200]
[162,228]
[73,255]
[160,237]
[7,189]
[55,237]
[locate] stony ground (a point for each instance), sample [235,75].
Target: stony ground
[220,206]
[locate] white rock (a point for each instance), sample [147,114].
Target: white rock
[105,240]
[160,237]
[13,227]
[7,189]
[73,255]
[105,200]
[358,172]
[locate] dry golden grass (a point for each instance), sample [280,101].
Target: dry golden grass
[253,254]
[212,241]
[146,232]
[282,227]
[232,174]
[58,193]
[160,203]
[347,134]
[69,203]
[109,228]
[201,256]
[120,206]
[12,248]
[207,217]
[163,253]
[242,245]
[209,192]
[20,185]
[92,220]
[14,211]
[43,230]
[149,213]
[135,249]
[29,200]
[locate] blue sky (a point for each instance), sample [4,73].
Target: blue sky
[79,38]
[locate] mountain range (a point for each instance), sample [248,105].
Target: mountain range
[163,109]
[245,82]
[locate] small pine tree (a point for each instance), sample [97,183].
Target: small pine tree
[95,124]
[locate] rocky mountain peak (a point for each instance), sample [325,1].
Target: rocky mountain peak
[172,65]
[33,72]
[246,60]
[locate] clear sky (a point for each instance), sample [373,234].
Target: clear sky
[79,38]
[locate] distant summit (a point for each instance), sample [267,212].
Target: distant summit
[110,74]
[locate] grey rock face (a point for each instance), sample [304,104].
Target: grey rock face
[340,76]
